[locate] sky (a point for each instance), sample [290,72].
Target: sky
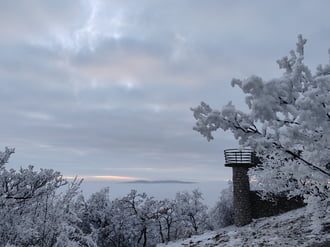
[104,88]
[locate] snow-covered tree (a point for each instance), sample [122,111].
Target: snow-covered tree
[166,220]
[139,220]
[96,218]
[191,213]
[32,210]
[36,210]
[222,214]
[127,221]
[288,125]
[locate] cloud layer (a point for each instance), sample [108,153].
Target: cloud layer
[104,87]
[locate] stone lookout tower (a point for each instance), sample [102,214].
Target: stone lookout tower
[241,160]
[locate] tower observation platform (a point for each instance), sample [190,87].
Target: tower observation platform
[240,157]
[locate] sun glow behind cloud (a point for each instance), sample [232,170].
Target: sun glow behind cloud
[106,178]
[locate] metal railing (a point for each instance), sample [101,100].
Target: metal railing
[240,157]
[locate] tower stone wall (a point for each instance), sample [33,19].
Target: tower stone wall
[241,196]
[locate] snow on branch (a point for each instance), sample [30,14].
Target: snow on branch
[291,112]
[4,156]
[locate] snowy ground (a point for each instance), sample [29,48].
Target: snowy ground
[290,229]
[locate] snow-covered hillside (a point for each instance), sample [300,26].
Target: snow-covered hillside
[292,229]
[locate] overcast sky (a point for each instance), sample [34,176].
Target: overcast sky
[104,88]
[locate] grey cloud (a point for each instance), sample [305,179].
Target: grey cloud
[34,19]
[88,102]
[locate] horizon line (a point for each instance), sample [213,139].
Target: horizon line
[139,180]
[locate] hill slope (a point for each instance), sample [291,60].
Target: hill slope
[293,228]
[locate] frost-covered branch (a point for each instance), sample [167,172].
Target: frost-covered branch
[4,156]
[289,114]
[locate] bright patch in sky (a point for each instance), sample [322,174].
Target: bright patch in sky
[106,178]
[128,83]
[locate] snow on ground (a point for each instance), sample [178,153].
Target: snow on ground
[291,229]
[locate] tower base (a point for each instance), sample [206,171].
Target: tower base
[241,196]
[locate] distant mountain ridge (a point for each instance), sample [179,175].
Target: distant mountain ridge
[160,182]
